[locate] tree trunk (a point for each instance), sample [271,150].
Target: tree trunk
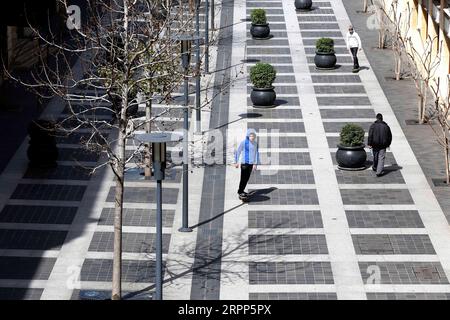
[398,66]
[424,103]
[117,255]
[447,160]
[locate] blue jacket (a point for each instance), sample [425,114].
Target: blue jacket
[248,150]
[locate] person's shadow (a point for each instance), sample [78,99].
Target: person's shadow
[259,195]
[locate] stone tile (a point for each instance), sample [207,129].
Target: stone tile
[266,4]
[69,154]
[320,34]
[293,296]
[347,113]
[339,89]
[368,177]
[335,78]
[31,239]
[316,18]
[404,272]
[284,197]
[291,158]
[343,101]
[20,294]
[131,242]
[392,244]
[290,273]
[61,173]
[274,113]
[263,51]
[280,102]
[383,196]
[284,219]
[287,244]
[37,214]
[282,142]
[24,268]
[137,217]
[384,219]
[315,11]
[48,192]
[271,60]
[132,270]
[317,26]
[337,126]
[282,177]
[268,43]
[312,42]
[145,195]
[408,296]
[282,127]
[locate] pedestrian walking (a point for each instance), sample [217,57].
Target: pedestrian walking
[354,45]
[247,157]
[380,138]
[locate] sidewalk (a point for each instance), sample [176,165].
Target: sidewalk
[316,232]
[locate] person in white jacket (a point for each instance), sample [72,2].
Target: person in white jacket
[353,44]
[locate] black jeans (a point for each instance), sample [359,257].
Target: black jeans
[246,171]
[355,57]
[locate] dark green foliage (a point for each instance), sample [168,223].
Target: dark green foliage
[262,75]
[325,45]
[352,135]
[258,16]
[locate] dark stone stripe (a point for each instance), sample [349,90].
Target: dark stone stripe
[37,214]
[207,261]
[23,268]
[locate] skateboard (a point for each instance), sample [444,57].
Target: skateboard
[247,198]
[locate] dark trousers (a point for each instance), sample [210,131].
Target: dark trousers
[378,159]
[246,171]
[355,58]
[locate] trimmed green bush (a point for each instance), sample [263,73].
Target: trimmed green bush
[262,75]
[325,45]
[258,16]
[352,135]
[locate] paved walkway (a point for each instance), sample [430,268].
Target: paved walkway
[312,231]
[315,232]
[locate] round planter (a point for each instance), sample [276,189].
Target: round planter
[263,97]
[325,61]
[260,31]
[351,158]
[304,5]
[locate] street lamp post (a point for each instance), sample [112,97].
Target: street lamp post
[206,36]
[158,141]
[197,67]
[186,44]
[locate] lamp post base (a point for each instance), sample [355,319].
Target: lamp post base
[187,229]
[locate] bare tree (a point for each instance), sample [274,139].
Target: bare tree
[423,64]
[126,48]
[441,113]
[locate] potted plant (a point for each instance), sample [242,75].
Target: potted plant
[42,150]
[351,154]
[260,28]
[303,5]
[325,57]
[262,75]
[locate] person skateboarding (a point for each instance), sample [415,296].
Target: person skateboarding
[247,157]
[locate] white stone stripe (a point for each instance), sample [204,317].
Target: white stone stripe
[337,134]
[284,167]
[130,205]
[408,288]
[345,107]
[282,186]
[125,255]
[280,258]
[430,211]
[281,150]
[378,186]
[399,231]
[235,222]
[251,108]
[379,207]
[283,207]
[347,120]
[262,55]
[272,120]
[343,260]
[285,231]
[292,288]
[362,95]
[132,229]
[281,134]
[399,258]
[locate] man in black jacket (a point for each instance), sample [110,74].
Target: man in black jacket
[380,138]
